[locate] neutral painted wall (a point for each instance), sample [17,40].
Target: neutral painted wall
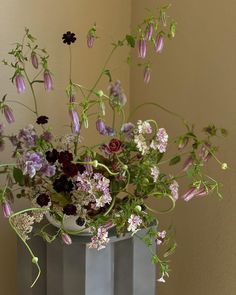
[48,20]
[195,76]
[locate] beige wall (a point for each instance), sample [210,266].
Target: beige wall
[195,76]
[48,20]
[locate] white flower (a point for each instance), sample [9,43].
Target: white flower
[155,173]
[141,144]
[144,127]
[134,222]
[160,143]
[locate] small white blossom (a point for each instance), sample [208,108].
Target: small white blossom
[174,188]
[160,142]
[23,224]
[100,240]
[144,127]
[134,222]
[141,144]
[155,173]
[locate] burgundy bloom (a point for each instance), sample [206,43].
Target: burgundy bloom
[159,43]
[114,146]
[42,120]
[8,113]
[47,81]
[142,48]
[65,157]
[68,38]
[52,156]
[62,184]
[43,200]
[34,60]
[70,169]
[69,209]
[20,83]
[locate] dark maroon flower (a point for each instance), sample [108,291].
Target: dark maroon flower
[81,168]
[69,209]
[62,184]
[52,156]
[65,157]
[42,120]
[114,146]
[70,169]
[68,38]
[43,200]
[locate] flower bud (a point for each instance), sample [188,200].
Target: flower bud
[224,166]
[149,32]
[88,167]
[147,74]
[6,208]
[34,60]
[90,40]
[101,127]
[159,44]
[142,48]
[20,83]
[110,131]
[183,141]
[66,239]
[47,81]
[188,163]
[75,121]
[8,113]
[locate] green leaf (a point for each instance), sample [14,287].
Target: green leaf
[175,160]
[170,251]
[18,176]
[108,74]
[130,40]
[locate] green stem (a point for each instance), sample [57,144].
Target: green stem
[22,104]
[163,211]
[33,93]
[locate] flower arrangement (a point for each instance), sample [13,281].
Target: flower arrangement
[106,185]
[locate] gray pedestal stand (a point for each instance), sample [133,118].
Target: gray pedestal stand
[123,268]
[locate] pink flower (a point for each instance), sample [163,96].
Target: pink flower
[159,43]
[142,48]
[20,83]
[134,222]
[75,121]
[194,192]
[34,60]
[147,74]
[174,188]
[205,153]
[149,32]
[6,207]
[66,239]
[100,240]
[114,146]
[47,81]
[8,113]
[161,141]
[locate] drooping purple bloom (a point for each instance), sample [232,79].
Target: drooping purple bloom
[117,93]
[6,208]
[34,60]
[47,169]
[149,31]
[32,163]
[127,127]
[66,239]
[20,83]
[75,121]
[159,44]
[8,113]
[188,163]
[142,48]
[205,153]
[101,126]
[110,131]
[47,81]
[88,168]
[147,74]
[194,192]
